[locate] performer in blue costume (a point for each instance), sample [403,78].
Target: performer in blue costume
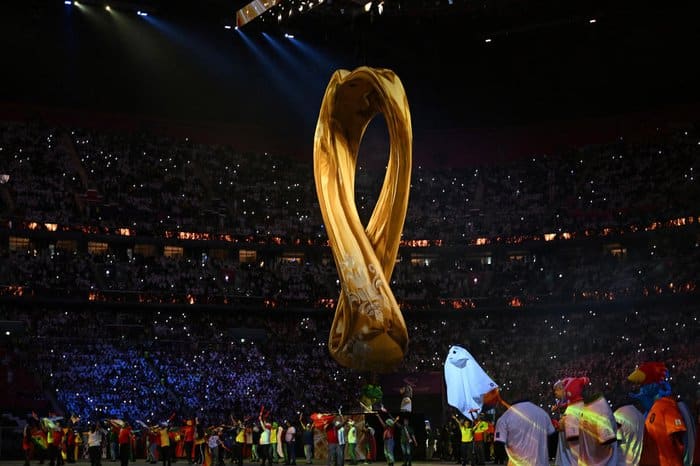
[669,430]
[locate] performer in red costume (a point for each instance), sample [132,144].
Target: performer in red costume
[569,395]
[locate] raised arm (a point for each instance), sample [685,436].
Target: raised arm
[303,424]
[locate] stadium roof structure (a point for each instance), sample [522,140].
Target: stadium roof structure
[468,17]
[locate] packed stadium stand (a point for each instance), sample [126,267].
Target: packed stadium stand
[201,281]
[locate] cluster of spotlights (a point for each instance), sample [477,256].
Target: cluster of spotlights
[107,7]
[303,5]
[280,13]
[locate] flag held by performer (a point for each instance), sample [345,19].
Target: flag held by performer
[320,420]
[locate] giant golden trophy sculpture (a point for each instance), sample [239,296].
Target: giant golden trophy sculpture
[368,331]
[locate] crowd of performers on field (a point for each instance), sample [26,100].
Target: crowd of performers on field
[656,429]
[59,440]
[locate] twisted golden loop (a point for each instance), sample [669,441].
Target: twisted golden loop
[368,331]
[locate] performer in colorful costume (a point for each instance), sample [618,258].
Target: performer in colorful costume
[669,439]
[466,381]
[370,396]
[569,395]
[523,428]
[630,433]
[407,398]
[598,433]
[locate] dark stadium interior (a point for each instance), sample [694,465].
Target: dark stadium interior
[163,256]
[546,64]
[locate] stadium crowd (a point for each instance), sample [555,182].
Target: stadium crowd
[637,199]
[582,263]
[145,364]
[79,177]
